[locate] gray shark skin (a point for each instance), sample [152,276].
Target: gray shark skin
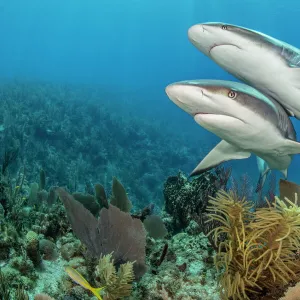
[270,65]
[246,120]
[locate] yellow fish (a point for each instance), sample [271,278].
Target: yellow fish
[78,278]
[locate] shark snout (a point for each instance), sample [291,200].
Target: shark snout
[195,32]
[200,36]
[182,93]
[188,98]
[174,91]
[176,94]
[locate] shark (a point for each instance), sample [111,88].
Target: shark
[268,64]
[246,120]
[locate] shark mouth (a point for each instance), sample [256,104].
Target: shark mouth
[216,114]
[205,113]
[225,44]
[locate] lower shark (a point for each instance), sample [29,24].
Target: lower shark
[268,64]
[246,120]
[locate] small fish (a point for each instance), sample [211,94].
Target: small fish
[78,278]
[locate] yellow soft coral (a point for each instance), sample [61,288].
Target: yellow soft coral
[257,249]
[118,284]
[275,234]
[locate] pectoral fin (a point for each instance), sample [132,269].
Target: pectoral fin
[284,173]
[221,153]
[289,148]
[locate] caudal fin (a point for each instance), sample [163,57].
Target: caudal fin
[97,292]
[264,170]
[261,181]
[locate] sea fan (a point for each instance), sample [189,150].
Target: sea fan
[113,232]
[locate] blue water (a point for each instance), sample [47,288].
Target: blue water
[132,46]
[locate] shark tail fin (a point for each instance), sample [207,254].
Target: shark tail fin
[261,165]
[264,170]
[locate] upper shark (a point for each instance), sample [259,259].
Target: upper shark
[270,65]
[246,120]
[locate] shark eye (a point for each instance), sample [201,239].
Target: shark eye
[224,27]
[232,94]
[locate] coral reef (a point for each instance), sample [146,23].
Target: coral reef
[75,136]
[187,271]
[185,200]
[116,252]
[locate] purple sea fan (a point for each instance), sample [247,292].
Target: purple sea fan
[114,231]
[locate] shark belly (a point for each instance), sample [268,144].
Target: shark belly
[259,136]
[276,162]
[252,64]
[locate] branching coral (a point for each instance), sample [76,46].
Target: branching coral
[259,247]
[4,291]
[21,294]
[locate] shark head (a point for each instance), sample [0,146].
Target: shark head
[207,36]
[227,109]
[257,59]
